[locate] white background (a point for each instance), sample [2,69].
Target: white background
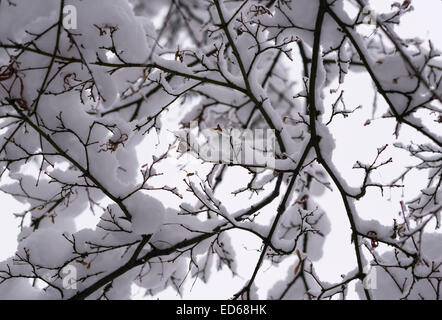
[355,142]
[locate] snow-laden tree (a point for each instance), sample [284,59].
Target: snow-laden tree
[85,91]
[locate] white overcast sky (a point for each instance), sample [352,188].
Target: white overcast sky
[425,23]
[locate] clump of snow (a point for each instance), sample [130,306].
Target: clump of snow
[147,213]
[46,247]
